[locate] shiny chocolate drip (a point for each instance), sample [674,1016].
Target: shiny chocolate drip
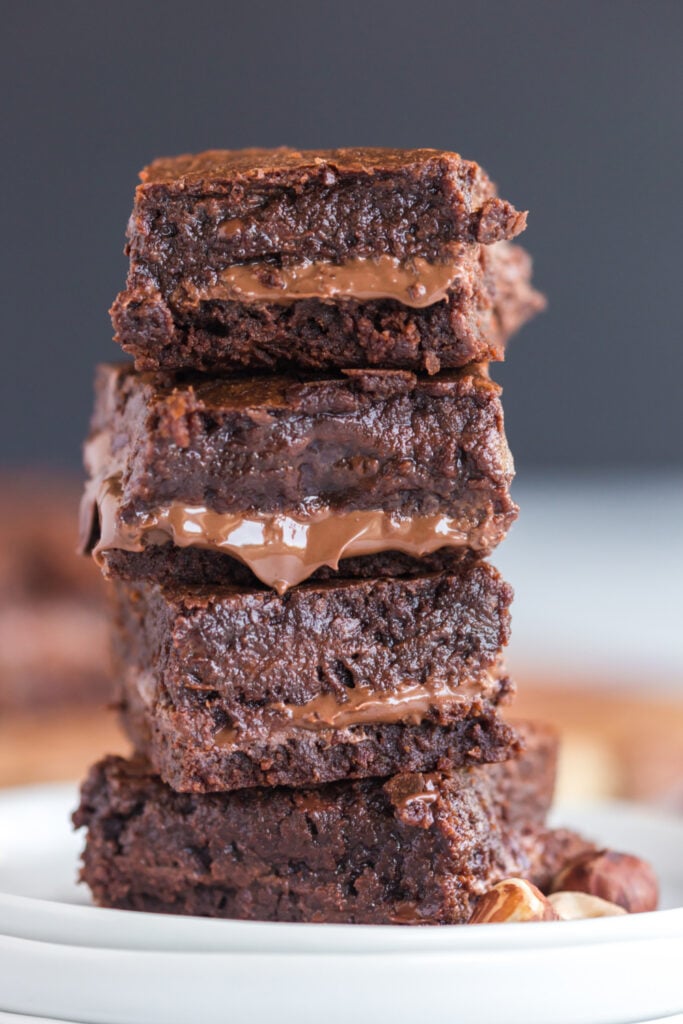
[282,550]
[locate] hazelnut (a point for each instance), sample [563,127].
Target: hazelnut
[575,906]
[616,877]
[513,899]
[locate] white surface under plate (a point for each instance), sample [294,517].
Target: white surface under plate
[63,959]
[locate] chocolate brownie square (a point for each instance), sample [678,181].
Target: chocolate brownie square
[290,474]
[228,688]
[412,849]
[322,259]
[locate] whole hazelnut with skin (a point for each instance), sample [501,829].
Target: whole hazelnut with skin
[513,899]
[616,877]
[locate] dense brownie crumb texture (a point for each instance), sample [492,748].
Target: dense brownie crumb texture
[369,677]
[342,258]
[292,491]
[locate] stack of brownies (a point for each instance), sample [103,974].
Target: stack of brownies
[293,489]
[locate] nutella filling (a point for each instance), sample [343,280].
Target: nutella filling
[281,550]
[409,705]
[415,282]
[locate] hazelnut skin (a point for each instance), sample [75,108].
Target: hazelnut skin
[618,878]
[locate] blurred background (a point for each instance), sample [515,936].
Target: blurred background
[575,111]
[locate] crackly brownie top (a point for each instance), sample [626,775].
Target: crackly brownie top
[216,165]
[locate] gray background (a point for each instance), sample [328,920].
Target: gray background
[574,108]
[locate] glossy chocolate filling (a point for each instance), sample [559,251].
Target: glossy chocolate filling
[281,550]
[409,705]
[415,282]
[362,706]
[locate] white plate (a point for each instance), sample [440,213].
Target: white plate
[63,959]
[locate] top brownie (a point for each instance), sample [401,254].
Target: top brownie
[332,258]
[252,204]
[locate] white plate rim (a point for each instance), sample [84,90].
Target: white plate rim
[182,976]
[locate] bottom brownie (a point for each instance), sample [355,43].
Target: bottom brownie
[413,849]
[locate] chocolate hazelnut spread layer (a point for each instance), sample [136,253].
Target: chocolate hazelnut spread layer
[283,550]
[322,259]
[414,282]
[409,704]
[289,474]
[165,563]
[229,687]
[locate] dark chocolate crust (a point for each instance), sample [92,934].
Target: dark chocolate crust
[414,849]
[366,441]
[490,300]
[195,663]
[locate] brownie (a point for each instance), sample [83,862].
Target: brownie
[291,473]
[223,689]
[490,298]
[196,213]
[413,849]
[321,259]
[53,635]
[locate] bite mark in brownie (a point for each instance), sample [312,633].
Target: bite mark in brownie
[413,849]
[289,474]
